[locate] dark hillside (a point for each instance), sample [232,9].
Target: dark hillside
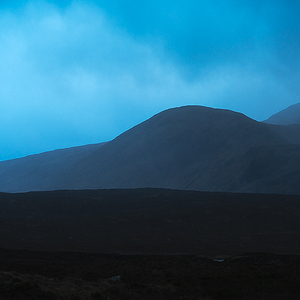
[290,115]
[39,171]
[188,148]
[291,133]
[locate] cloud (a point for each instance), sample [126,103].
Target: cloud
[200,36]
[84,72]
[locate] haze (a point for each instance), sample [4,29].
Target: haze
[80,72]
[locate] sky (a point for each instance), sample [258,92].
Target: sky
[81,72]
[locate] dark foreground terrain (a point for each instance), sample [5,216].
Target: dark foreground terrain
[74,276]
[150,221]
[149,244]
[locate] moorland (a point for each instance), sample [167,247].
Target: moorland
[149,244]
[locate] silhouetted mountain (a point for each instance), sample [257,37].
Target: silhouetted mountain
[191,147]
[290,115]
[35,172]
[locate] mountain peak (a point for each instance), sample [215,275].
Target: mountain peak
[288,116]
[189,148]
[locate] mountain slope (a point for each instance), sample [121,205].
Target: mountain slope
[190,147]
[187,148]
[290,115]
[37,172]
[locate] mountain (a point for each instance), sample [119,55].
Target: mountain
[35,172]
[190,148]
[290,115]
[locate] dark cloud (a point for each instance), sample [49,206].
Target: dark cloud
[197,28]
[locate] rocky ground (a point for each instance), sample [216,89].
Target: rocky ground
[70,276]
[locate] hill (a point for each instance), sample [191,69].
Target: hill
[190,148]
[35,172]
[288,116]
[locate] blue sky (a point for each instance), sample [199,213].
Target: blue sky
[79,72]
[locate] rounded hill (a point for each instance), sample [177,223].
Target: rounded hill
[189,148]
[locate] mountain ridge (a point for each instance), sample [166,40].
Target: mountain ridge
[287,116]
[190,148]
